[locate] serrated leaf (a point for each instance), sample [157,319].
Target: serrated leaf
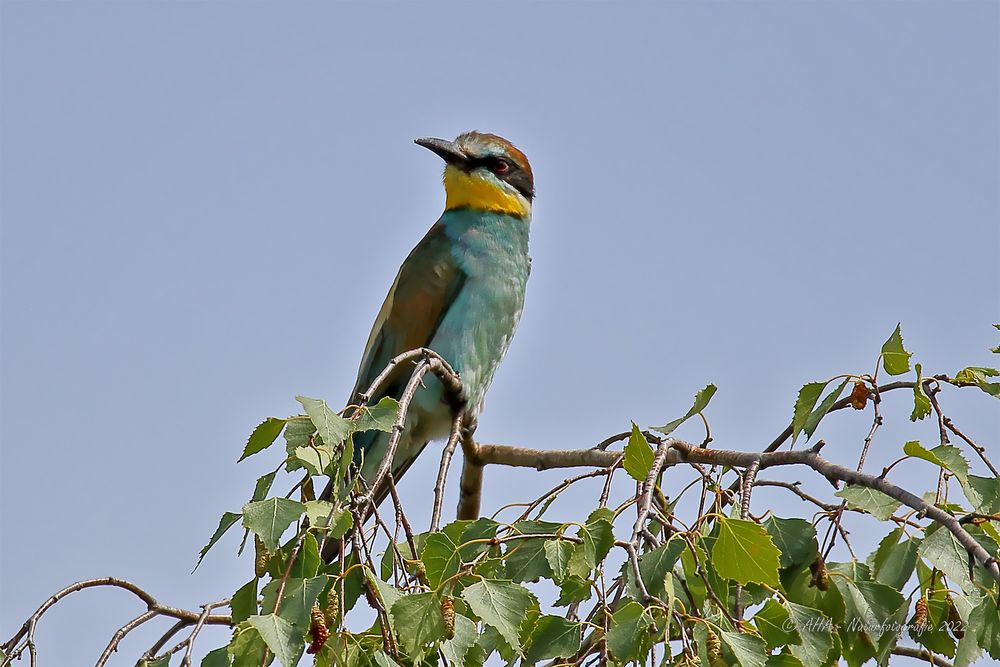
[985,622]
[216,658]
[947,554]
[895,359]
[808,395]
[332,428]
[553,637]
[573,589]
[557,553]
[501,605]
[270,518]
[867,605]
[774,625]
[638,459]
[812,421]
[815,633]
[244,602]
[160,662]
[263,436]
[283,638]
[225,523]
[948,457]
[456,648]
[418,621]
[701,400]
[653,566]
[625,637]
[297,599]
[441,558]
[262,486]
[921,401]
[794,538]
[745,553]
[315,458]
[378,417]
[874,502]
[525,559]
[893,562]
[748,650]
[984,493]
[247,647]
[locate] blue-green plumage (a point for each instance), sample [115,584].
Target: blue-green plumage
[460,292]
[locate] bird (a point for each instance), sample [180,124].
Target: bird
[459,292]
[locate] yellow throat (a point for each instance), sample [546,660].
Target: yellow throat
[464,189]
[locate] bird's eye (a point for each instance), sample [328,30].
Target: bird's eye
[501,166]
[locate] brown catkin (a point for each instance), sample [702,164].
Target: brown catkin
[714,646]
[317,630]
[332,609]
[261,556]
[920,625]
[448,612]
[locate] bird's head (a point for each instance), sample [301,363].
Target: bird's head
[484,172]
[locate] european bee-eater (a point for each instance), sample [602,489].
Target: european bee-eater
[459,292]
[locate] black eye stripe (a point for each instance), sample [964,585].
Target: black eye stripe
[514,175]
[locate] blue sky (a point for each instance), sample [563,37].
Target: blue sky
[203,206]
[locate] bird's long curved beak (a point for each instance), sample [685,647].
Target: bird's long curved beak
[447,150]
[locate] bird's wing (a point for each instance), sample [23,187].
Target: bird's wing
[427,284]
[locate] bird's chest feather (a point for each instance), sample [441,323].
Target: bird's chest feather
[476,331]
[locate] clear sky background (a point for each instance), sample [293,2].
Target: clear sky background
[203,206]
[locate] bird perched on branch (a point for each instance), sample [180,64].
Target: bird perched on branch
[459,292]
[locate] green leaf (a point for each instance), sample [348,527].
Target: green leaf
[263,436]
[315,458]
[418,621]
[783,660]
[283,638]
[701,400]
[812,421]
[745,553]
[984,493]
[653,566]
[867,605]
[948,457]
[456,648]
[299,432]
[263,485]
[270,518]
[804,404]
[441,558]
[557,553]
[387,593]
[382,660]
[247,647]
[748,650]
[774,625]
[978,375]
[947,554]
[815,633]
[921,401]
[893,562]
[638,458]
[297,599]
[874,502]
[502,605]
[379,417]
[332,428]
[244,602]
[794,538]
[217,658]
[162,662]
[985,622]
[225,523]
[895,359]
[526,558]
[626,635]
[573,589]
[553,637]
